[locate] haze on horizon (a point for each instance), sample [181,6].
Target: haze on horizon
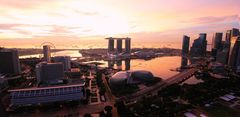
[82,23]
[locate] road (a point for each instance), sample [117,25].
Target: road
[155,88]
[110,97]
[181,76]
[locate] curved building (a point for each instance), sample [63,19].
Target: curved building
[130,77]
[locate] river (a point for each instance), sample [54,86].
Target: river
[163,67]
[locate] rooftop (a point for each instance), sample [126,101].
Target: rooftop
[49,87]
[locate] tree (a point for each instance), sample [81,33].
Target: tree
[108,109]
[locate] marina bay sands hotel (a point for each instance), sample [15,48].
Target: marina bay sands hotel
[111,49]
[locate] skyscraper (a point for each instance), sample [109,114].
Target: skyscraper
[110,45]
[217,41]
[128,45]
[214,53]
[228,36]
[203,38]
[185,45]
[231,33]
[234,53]
[235,32]
[49,73]
[199,46]
[119,45]
[119,49]
[47,53]
[9,62]
[222,56]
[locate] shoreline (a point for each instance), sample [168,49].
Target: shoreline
[31,51]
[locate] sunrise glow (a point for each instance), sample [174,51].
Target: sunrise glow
[144,20]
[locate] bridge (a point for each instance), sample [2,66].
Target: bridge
[178,78]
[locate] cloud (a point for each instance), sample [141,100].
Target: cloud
[59,29]
[8,26]
[212,19]
[87,30]
[88,13]
[25,4]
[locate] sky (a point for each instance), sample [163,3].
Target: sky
[85,23]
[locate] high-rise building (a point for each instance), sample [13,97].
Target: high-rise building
[128,45]
[184,61]
[214,52]
[231,33]
[234,53]
[47,53]
[110,45]
[119,48]
[228,36]
[9,62]
[65,60]
[235,32]
[222,56]
[49,73]
[203,38]
[217,41]
[199,47]
[119,45]
[185,45]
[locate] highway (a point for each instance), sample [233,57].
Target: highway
[181,76]
[155,88]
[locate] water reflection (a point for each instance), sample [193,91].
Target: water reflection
[127,64]
[119,64]
[163,67]
[71,53]
[184,65]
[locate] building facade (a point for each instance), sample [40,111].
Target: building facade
[34,96]
[199,46]
[217,41]
[47,53]
[234,53]
[119,46]
[128,45]
[222,56]
[49,73]
[110,45]
[185,45]
[9,62]
[65,60]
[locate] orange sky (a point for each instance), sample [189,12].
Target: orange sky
[27,23]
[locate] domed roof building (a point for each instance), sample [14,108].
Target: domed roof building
[130,77]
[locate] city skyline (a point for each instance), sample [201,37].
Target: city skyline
[112,58]
[78,23]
